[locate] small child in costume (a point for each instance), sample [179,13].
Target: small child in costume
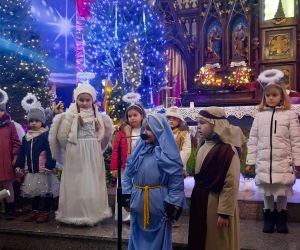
[9,148]
[153,186]
[82,133]
[274,150]
[182,137]
[181,134]
[40,183]
[134,116]
[214,219]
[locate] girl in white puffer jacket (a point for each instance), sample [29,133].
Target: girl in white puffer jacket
[274,150]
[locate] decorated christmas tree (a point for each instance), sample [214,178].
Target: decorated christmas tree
[115,107]
[22,65]
[126,40]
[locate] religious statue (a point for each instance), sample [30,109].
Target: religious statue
[213,39]
[240,41]
[194,29]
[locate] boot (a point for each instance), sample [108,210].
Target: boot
[43,217]
[10,211]
[33,216]
[269,220]
[281,224]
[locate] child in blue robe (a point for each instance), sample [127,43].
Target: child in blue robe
[153,186]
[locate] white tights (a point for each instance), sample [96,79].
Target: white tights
[281,203]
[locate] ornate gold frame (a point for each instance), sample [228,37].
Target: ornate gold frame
[278,44]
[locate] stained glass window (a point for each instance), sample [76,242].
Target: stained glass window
[272,5]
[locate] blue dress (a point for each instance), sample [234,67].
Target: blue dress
[150,165]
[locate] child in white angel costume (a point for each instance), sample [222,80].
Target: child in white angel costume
[80,136]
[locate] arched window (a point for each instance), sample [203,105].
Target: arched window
[176,76]
[271,6]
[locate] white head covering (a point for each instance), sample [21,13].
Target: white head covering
[3,99]
[84,88]
[174,112]
[228,133]
[33,108]
[270,77]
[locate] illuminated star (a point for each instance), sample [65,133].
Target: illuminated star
[65,27]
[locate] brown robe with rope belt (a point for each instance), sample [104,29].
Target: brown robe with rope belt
[215,193]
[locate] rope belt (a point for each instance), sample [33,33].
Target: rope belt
[146,203]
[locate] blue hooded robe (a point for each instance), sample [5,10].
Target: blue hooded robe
[157,165]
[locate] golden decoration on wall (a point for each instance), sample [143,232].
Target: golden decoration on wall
[279,44]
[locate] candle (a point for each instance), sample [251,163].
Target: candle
[116,20]
[192,105]
[123,69]
[144,20]
[151,92]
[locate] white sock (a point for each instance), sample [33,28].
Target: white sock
[269,202]
[281,203]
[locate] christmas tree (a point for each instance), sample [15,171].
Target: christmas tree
[117,106]
[126,40]
[22,65]
[113,104]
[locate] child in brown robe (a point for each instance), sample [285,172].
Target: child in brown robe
[214,220]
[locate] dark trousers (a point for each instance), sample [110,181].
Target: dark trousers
[42,203]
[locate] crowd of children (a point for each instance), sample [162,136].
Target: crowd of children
[153,167]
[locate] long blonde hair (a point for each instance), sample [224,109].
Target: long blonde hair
[284,102]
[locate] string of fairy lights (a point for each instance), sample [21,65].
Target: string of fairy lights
[133,63]
[125,41]
[22,61]
[208,79]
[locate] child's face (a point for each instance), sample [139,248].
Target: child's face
[173,121]
[2,112]
[150,136]
[273,97]
[85,101]
[205,129]
[134,118]
[35,125]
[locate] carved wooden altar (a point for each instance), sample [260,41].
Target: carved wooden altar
[229,33]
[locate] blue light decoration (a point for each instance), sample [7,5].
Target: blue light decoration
[109,31]
[55,21]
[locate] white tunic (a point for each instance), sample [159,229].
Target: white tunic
[83,196]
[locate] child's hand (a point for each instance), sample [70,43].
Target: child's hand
[19,171]
[185,173]
[14,160]
[222,222]
[58,108]
[127,209]
[114,173]
[126,201]
[47,171]
[172,212]
[250,168]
